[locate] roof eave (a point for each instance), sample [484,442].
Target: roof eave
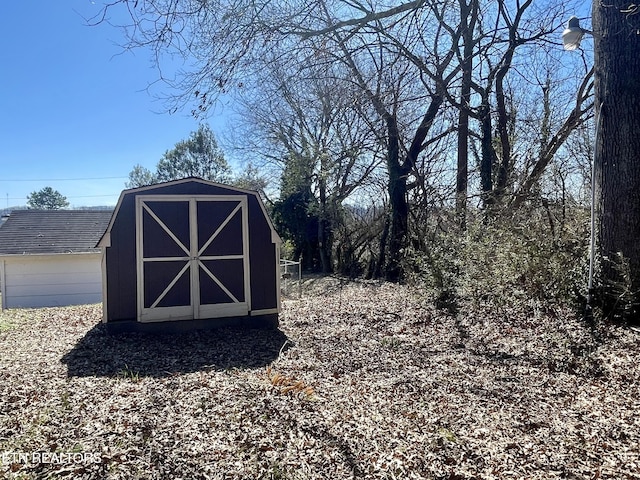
[42,254]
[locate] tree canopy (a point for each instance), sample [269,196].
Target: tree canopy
[381,120]
[197,156]
[47,199]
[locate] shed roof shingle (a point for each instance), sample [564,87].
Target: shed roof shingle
[52,231]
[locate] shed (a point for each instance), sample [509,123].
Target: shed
[49,257]
[190,254]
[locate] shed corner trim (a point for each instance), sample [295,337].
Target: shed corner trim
[266,311]
[105,241]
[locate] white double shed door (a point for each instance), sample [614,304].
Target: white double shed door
[192,256]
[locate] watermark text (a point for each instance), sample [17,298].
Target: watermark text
[58,458]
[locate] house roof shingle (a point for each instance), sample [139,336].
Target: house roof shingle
[52,231]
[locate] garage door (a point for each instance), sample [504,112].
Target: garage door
[192,257]
[33,281]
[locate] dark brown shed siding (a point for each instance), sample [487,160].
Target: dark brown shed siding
[121,255]
[262,265]
[121,264]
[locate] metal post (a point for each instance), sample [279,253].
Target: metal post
[300,277]
[592,241]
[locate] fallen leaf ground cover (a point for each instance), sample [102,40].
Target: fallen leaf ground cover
[362,380]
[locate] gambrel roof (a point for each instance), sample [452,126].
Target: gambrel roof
[163,187]
[28,232]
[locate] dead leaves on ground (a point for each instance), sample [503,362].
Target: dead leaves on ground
[289,385]
[404,391]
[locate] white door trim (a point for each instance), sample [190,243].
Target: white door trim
[193,258]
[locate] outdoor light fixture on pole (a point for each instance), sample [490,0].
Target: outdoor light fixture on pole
[572,35]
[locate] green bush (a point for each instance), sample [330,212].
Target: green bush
[505,261]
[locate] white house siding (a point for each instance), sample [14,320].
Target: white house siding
[32,281]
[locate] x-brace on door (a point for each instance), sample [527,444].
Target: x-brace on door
[192,257]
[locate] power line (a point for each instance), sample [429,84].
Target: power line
[58,179]
[69,196]
[94,196]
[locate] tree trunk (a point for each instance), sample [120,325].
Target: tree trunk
[397,187]
[462,178]
[617,153]
[462,173]
[488,155]
[504,166]
[382,249]
[324,221]
[325,244]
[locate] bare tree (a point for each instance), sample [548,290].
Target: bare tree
[408,63]
[401,67]
[308,115]
[495,49]
[222,41]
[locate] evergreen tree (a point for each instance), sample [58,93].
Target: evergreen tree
[197,156]
[47,199]
[295,213]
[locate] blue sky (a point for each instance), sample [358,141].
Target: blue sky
[74,111]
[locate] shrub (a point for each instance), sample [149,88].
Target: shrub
[507,260]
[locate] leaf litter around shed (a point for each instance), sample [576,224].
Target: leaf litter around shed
[363,380]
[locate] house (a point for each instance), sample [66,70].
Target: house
[189,254]
[49,257]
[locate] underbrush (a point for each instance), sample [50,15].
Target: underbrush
[524,276]
[524,261]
